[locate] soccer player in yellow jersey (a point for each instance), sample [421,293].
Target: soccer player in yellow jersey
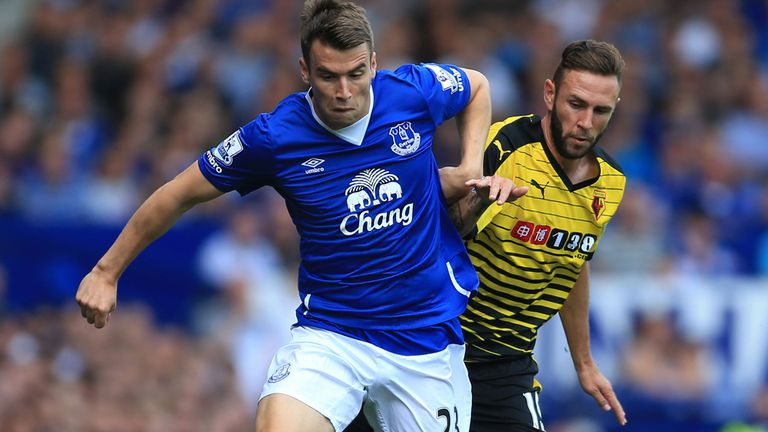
[531,254]
[557,190]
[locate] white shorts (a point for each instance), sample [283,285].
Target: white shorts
[336,375]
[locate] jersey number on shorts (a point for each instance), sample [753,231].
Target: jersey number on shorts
[443,412]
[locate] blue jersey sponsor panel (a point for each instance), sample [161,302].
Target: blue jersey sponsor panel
[378,249]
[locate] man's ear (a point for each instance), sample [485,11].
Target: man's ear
[549,94]
[374,66]
[304,70]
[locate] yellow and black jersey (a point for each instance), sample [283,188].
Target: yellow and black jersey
[529,253]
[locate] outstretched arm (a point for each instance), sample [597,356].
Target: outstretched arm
[473,124]
[485,190]
[97,293]
[575,318]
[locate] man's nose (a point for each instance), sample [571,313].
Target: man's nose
[343,91]
[584,120]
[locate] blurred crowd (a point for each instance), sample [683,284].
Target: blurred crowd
[58,375]
[102,101]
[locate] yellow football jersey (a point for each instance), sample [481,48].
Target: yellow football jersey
[529,253]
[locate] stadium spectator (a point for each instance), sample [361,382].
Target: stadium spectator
[635,243]
[669,374]
[660,361]
[252,311]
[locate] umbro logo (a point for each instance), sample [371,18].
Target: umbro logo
[313,162]
[314,165]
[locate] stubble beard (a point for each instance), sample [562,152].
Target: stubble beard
[558,139]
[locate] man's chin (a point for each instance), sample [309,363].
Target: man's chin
[342,120]
[576,152]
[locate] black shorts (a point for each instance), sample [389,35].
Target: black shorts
[504,396]
[359,424]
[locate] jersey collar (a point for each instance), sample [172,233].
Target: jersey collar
[353,133]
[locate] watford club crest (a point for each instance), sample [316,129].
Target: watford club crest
[598,203]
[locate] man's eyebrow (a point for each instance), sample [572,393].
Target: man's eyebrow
[321,69]
[576,98]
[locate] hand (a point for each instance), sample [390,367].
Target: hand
[599,387]
[497,188]
[97,297]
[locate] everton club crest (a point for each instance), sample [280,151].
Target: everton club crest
[404,139]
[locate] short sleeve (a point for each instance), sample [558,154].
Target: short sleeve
[243,161]
[444,87]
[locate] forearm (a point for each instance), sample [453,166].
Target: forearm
[465,212]
[575,319]
[473,124]
[153,218]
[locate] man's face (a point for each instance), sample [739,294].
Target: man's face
[341,82]
[580,110]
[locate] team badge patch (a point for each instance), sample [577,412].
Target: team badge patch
[598,203]
[280,374]
[449,80]
[404,139]
[228,148]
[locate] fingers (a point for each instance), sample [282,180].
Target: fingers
[517,193]
[507,192]
[100,320]
[618,410]
[500,189]
[97,298]
[97,318]
[494,189]
[96,315]
[480,183]
[608,401]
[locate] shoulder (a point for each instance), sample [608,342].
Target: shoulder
[403,76]
[605,159]
[447,76]
[515,132]
[290,114]
[611,174]
[291,106]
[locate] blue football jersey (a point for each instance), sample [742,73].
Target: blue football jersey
[378,250]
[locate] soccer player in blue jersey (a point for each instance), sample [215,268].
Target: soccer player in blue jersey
[384,274]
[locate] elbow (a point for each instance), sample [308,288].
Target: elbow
[479,84]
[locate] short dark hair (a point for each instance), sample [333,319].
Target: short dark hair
[340,24]
[601,58]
